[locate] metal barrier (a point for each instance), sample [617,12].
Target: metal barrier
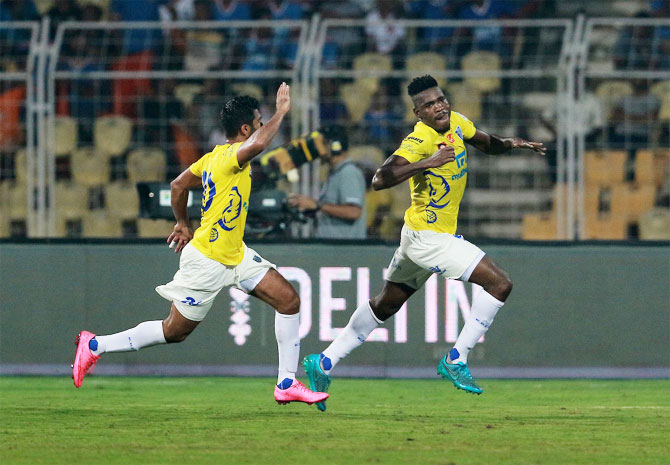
[106,94]
[21,175]
[624,155]
[501,74]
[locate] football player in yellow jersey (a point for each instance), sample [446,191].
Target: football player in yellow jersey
[434,160]
[215,256]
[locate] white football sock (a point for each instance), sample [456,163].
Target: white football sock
[288,344]
[360,325]
[146,334]
[482,313]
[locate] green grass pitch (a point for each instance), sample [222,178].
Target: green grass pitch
[181,421]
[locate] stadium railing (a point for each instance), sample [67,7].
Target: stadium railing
[21,154]
[164,83]
[625,63]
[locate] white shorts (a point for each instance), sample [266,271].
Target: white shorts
[422,253]
[199,280]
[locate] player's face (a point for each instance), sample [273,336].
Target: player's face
[258,121]
[432,107]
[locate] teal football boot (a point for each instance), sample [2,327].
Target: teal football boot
[319,381]
[458,374]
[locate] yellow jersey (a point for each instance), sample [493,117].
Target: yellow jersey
[437,192]
[225,201]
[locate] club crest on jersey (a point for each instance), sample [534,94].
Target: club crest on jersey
[213,235]
[450,138]
[232,210]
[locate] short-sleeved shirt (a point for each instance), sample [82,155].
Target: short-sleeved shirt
[437,192]
[225,201]
[345,186]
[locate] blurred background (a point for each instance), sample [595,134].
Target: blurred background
[97,96]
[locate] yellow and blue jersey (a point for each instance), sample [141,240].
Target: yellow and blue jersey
[225,201]
[437,192]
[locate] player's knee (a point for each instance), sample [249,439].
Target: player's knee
[291,305]
[174,335]
[503,288]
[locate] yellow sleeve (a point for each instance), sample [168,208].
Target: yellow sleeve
[467,126]
[196,168]
[413,147]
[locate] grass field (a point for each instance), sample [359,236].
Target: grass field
[236,421]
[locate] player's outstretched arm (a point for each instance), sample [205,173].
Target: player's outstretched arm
[260,139]
[492,144]
[398,169]
[180,187]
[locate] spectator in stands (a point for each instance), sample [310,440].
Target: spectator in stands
[382,119]
[636,116]
[259,46]
[203,113]
[385,34]
[61,11]
[487,37]
[285,9]
[231,10]
[438,39]
[18,10]
[633,48]
[14,44]
[203,46]
[340,208]
[86,99]
[331,108]
[136,40]
[137,52]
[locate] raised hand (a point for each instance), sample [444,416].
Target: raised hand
[519,143]
[283,98]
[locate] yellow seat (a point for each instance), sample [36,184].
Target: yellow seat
[427,63]
[122,200]
[539,227]
[13,201]
[367,154]
[372,63]
[154,228]
[482,61]
[89,167]
[146,165]
[630,201]
[357,98]
[21,166]
[185,93]
[251,89]
[112,134]
[66,135]
[101,223]
[604,168]
[466,99]
[605,226]
[662,91]
[611,92]
[655,224]
[71,200]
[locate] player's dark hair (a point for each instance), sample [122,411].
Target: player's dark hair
[236,112]
[421,83]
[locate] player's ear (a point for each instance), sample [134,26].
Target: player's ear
[245,130]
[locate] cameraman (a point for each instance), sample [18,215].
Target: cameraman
[340,209]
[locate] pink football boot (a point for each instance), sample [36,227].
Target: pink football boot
[84,360]
[298,393]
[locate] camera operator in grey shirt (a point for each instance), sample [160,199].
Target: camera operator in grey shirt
[340,208]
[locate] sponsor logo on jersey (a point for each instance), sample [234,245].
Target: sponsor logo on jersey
[413,139]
